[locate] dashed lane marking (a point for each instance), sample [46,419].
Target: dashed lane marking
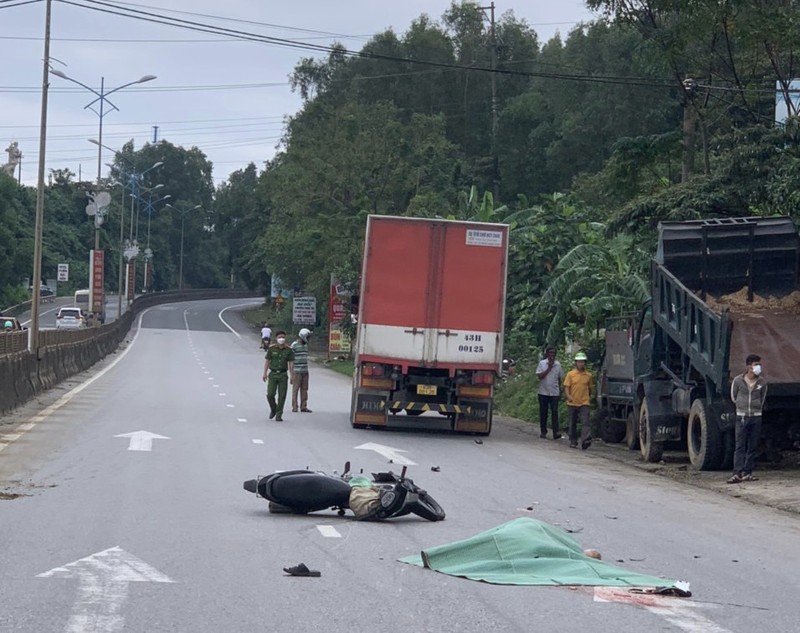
[328,531]
[258,441]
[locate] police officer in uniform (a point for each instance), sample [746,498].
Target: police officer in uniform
[278,367]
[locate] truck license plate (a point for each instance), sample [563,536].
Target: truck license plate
[426,390]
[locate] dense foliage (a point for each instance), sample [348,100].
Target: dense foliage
[660,110]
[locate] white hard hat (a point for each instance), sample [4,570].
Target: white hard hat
[304,333]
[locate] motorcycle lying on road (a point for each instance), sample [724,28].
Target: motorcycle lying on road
[383,496]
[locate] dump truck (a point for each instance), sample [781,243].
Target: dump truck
[720,289]
[429,338]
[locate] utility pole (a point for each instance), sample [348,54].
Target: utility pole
[33,336]
[495,162]
[689,128]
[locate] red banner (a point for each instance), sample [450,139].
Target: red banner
[131,286]
[338,310]
[98,298]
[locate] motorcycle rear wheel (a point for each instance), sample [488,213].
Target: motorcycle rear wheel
[427,508]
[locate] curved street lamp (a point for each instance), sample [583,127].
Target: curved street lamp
[133,179]
[183,218]
[99,200]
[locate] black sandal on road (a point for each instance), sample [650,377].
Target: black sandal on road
[302,570]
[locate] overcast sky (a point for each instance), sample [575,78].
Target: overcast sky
[227,97]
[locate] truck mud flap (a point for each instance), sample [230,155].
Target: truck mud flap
[476,417]
[369,408]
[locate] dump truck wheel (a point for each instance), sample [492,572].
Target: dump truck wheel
[651,450]
[703,438]
[631,432]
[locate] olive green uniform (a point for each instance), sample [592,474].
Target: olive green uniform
[279,357]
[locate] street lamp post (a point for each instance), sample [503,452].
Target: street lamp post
[102,97]
[148,253]
[133,179]
[101,199]
[183,218]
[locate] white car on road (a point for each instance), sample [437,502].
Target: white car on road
[70,319]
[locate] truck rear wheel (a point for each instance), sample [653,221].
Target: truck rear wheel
[611,431]
[631,432]
[704,439]
[651,450]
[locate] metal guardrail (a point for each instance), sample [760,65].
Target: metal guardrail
[25,306]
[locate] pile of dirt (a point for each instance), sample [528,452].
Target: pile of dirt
[737,302]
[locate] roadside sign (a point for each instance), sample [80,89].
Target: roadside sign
[304,310]
[63,272]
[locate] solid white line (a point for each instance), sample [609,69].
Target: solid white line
[328,531]
[48,411]
[258,441]
[239,305]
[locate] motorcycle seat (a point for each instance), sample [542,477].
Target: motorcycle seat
[308,491]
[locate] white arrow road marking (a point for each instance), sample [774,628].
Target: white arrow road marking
[142,440]
[388,452]
[103,588]
[328,531]
[680,612]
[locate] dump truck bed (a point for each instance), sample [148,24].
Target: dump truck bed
[775,336]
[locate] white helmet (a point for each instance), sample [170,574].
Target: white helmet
[304,333]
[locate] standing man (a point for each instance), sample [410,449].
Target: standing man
[300,372]
[550,376]
[578,389]
[277,368]
[266,335]
[748,392]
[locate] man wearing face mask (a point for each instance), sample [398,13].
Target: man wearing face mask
[748,392]
[278,366]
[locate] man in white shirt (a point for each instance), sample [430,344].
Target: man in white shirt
[550,376]
[266,335]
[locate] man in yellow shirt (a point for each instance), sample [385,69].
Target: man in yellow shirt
[578,390]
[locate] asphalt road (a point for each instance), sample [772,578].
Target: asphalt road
[166,539]
[48,311]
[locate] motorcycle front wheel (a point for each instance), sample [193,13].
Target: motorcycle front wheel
[427,508]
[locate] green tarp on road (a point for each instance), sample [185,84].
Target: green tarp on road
[528,552]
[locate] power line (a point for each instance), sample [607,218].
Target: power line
[96,5]
[4,5]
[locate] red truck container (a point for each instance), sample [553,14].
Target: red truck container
[429,344]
